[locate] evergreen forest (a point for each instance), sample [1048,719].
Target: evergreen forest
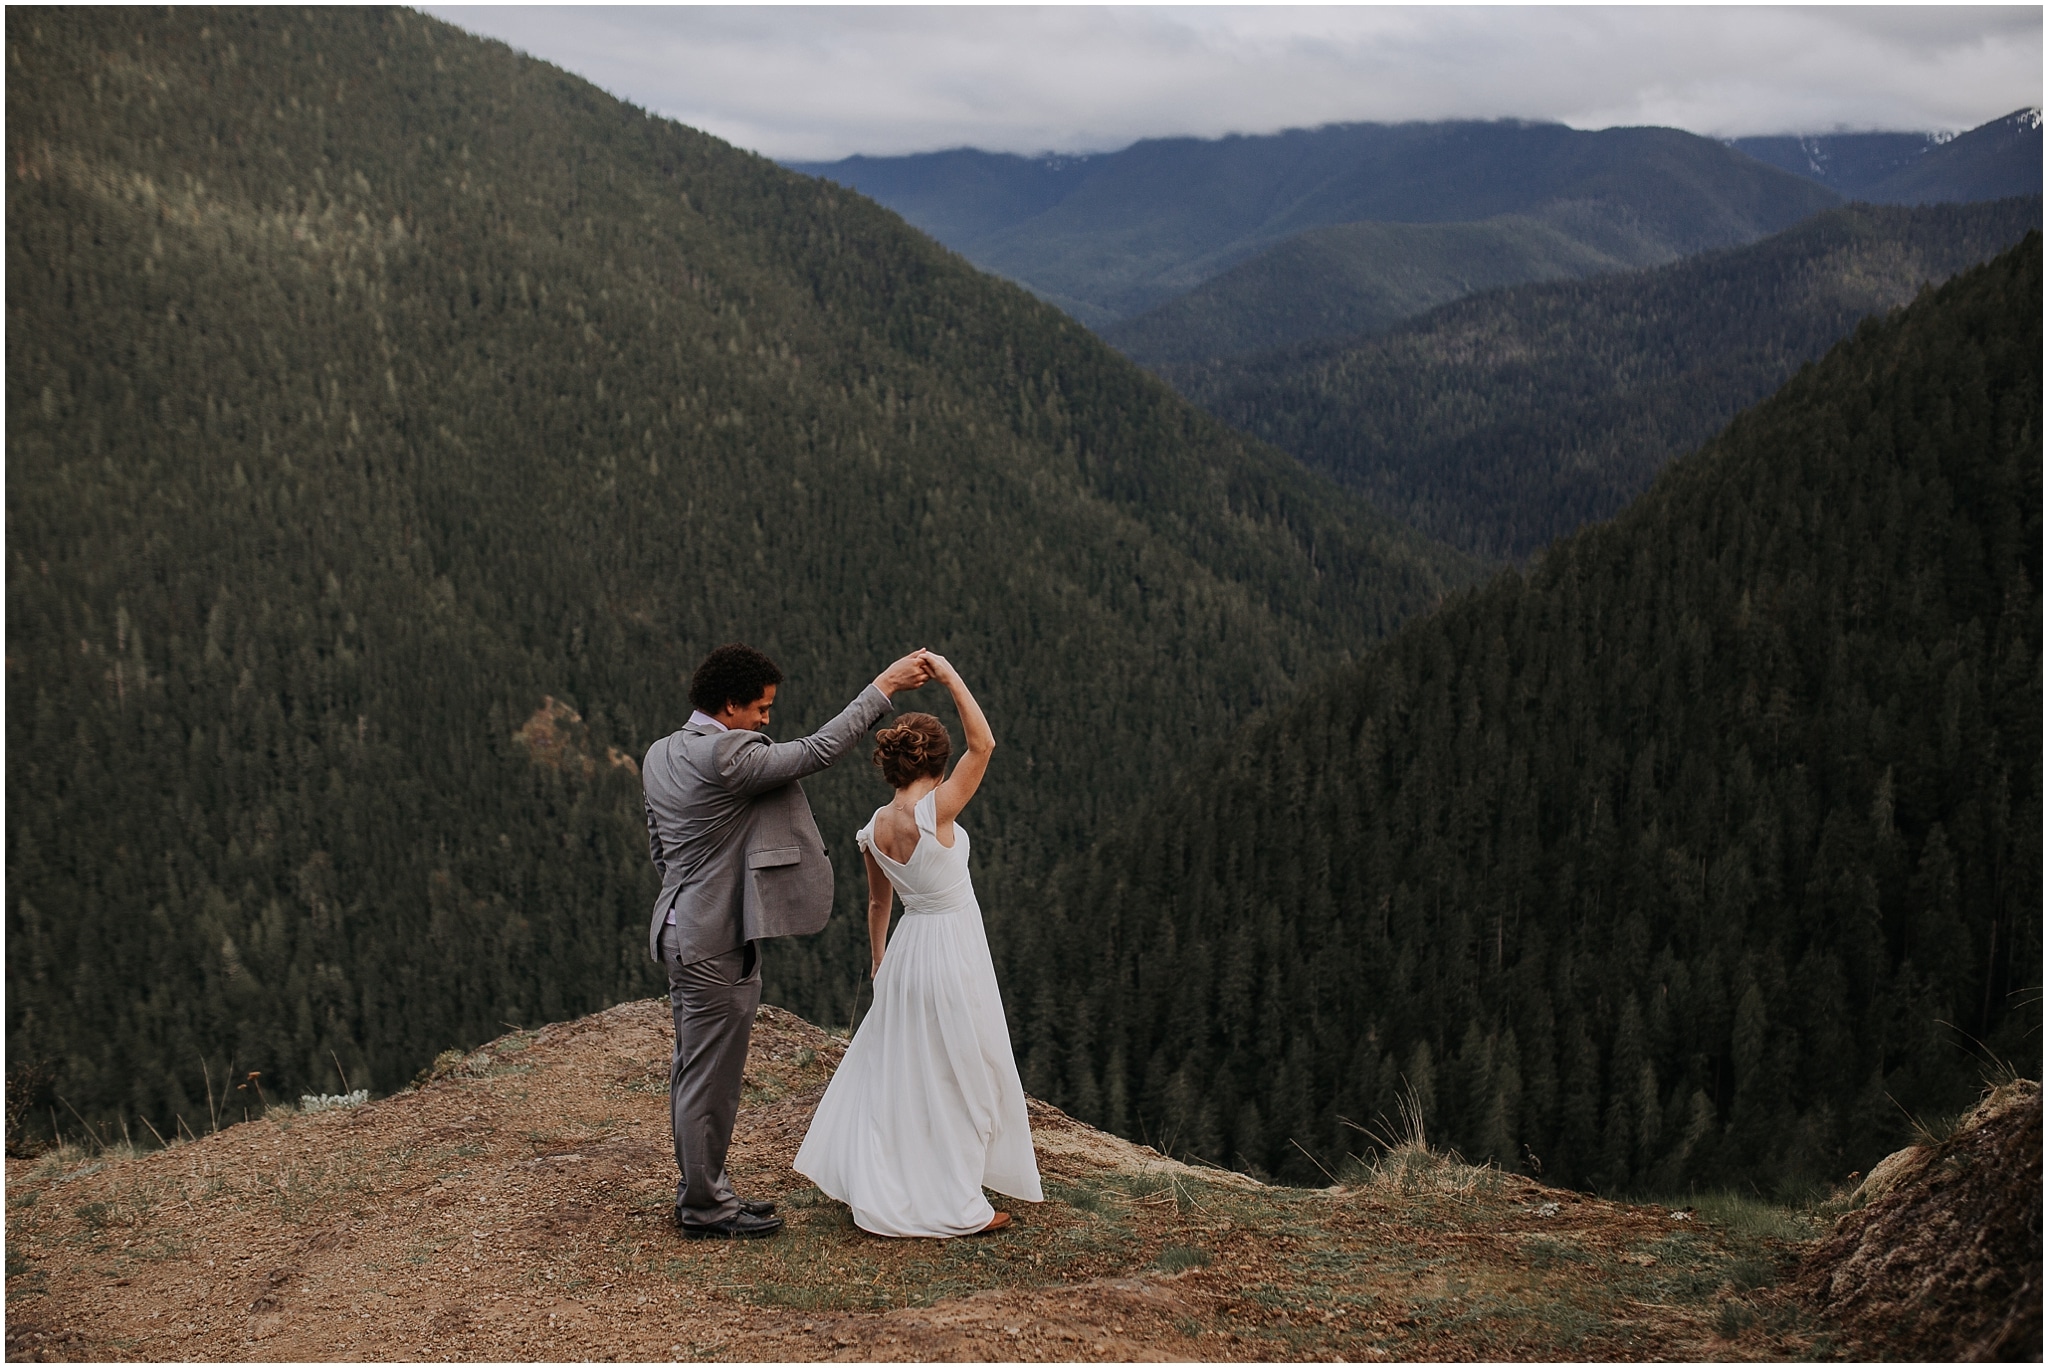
[1707,851]
[394,420]
[1507,419]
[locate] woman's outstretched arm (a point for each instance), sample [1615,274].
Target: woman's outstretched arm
[981,743]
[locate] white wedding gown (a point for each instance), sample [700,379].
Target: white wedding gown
[926,1109]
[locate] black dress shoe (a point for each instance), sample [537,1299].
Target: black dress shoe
[741,1226]
[754,1207]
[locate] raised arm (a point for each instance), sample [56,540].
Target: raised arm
[749,767]
[981,743]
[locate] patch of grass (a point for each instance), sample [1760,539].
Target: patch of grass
[1157,1191]
[1179,1258]
[163,1249]
[1547,1253]
[1684,1286]
[1732,1319]
[1751,1218]
[1750,1274]
[1081,1197]
[95,1215]
[1569,1322]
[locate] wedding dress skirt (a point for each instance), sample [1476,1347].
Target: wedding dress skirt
[926,1108]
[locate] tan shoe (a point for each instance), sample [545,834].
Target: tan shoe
[1000,1221]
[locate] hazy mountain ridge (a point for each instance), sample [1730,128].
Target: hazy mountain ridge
[1995,160]
[369,383]
[1357,278]
[1505,420]
[1131,228]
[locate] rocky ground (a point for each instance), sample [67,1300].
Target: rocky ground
[1941,1257]
[516,1207]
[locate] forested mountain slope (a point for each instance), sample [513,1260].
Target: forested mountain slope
[370,384]
[1111,235]
[1356,278]
[2000,158]
[1502,422]
[1995,160]
[1850,164]
[1703,853]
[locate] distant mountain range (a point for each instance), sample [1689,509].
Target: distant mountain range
[1504,421]
[1107,237]
[1184,250]
[1992,161]
[1356,278]
[1359,278]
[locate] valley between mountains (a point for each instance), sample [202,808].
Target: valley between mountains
[514,1206]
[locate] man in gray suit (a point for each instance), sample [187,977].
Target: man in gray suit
[740,861]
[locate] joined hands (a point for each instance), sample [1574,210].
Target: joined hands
[911,672]
[914,671]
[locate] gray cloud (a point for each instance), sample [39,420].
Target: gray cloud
[822,83]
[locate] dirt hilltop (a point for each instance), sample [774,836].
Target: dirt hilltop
[1941,1259]
[516,1207]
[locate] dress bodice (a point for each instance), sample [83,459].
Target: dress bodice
[934,880]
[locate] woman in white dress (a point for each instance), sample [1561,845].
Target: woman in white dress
[926,1109]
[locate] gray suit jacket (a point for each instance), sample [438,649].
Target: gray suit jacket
[732,835]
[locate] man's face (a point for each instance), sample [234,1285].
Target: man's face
[748,716]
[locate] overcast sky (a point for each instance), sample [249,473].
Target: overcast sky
[821,83]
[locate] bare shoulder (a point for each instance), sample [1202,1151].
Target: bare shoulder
[895,833]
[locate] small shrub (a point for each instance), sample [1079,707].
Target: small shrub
[447,1064]
[310,1102]
[1732,1319]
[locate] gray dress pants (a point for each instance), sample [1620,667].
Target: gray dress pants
[713,1001]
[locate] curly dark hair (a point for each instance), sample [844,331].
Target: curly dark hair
[916,747]
[734,673]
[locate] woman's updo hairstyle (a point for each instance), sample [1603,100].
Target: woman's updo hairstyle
[915,748]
